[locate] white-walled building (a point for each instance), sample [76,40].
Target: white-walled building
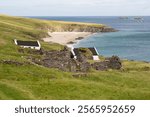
[28,44]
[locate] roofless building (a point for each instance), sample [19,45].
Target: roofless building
[95,54]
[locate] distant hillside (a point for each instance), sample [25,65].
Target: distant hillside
[20,78]
[34,28]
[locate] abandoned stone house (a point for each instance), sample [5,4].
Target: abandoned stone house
[76,51]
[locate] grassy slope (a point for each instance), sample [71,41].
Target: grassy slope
[37,82]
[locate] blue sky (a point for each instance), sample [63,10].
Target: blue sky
[75,7]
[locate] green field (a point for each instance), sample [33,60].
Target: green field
[31,81]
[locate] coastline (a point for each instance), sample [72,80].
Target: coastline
[66,38]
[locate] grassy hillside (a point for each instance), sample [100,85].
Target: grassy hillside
[32,29]
[30,81]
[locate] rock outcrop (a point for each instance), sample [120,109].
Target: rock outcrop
[108,29]
[14,62]
[113,62]
[81,28]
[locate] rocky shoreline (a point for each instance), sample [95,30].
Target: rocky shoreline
[103,30]
[71,36]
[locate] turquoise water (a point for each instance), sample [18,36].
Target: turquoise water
[131,42]
[127,45]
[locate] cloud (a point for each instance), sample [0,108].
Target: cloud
[76,7]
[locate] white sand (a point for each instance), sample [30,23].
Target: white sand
[65,37]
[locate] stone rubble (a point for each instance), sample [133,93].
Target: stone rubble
[62,60]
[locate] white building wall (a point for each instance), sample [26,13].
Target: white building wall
[39,45]
[32,47]
[75,57]
[37,48]
[96,58]
[15,41]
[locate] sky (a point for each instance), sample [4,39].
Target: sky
[75,7]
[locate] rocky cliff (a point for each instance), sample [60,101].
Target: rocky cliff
[81,28]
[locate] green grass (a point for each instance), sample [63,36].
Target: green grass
[37,82]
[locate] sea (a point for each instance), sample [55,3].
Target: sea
[132,41]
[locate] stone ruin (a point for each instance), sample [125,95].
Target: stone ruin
[63,60]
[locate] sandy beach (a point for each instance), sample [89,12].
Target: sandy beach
[65,38]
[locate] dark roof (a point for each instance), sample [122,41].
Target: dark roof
[93,50]
[27,43]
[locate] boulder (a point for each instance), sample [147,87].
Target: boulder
[114,62]
[101,66]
